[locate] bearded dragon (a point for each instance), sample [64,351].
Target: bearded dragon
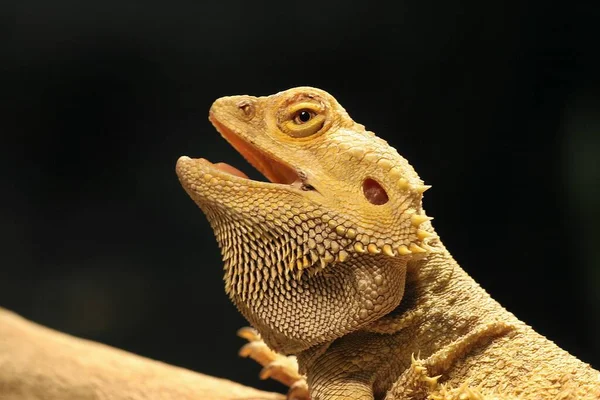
[335,261]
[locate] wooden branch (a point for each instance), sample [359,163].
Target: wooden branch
[40,363]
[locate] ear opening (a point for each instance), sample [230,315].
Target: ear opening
[374,192]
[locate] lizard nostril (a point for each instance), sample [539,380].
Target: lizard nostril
[247,108]
[374,192]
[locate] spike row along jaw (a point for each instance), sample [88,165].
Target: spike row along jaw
[349,241]
[310,241]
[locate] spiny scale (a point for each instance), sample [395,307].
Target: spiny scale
[297,249]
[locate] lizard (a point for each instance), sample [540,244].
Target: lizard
[334,261]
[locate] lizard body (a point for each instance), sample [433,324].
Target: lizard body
[335,261]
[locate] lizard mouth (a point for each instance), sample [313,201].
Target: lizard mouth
[274,169]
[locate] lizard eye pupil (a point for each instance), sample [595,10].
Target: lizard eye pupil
[304,116]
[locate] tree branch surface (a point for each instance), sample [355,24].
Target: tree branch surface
[39,363]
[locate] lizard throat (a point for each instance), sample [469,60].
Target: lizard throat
[275,170]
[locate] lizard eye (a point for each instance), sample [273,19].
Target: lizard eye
[303,120]
[303,116]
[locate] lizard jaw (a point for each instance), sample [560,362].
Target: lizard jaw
[279,173]
[274,169]
[197,175]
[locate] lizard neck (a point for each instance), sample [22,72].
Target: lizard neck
[442,307]
[442,303]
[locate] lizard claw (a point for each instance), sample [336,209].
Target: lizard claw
[282,365]
[248,333]
[275,366]
[298,391]
[259,352]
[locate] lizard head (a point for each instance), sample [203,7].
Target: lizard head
[321,249]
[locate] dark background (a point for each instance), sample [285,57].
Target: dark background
[495,104]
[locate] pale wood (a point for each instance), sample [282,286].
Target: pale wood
[40,363]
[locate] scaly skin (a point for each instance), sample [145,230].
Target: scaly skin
[335,261]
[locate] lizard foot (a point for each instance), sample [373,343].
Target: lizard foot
[276,366]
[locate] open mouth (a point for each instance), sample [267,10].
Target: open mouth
[276,171]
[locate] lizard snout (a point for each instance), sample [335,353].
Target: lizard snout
[243,107]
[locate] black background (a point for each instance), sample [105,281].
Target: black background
[495,104]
